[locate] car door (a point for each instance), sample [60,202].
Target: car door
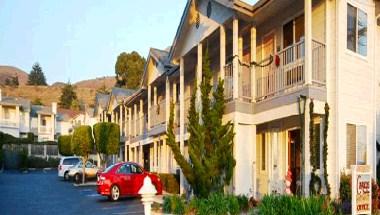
[125,179]
[137,178]
[90,171]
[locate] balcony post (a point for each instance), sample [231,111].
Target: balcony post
[130,121]
[235,54]
[167,101]
[308,42]
[149,103]
[125,120]
[222,47]
[182,116]
[174,92]
[199,75]
[121,119]
[253,59]
[18,116]
[1,112]
[135,120]
[155,96]
[38,124]
[141,116]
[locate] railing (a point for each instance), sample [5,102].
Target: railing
[290,70]
[40,150]
[158,113]
[44,129]
[244,81]
[8,123]
[228,81]
[187,101]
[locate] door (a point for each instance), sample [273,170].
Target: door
[294,161]
[262,164]
[137,178]
[125,179]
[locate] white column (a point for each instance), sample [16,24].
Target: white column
[135,120]
[308,42]
[167,101]
[130,121]
[38,123]
[52,127]
[154,95]
[165,157]
[18,116]
[235,54]
[174,92]
[121,118]
[149,104]
[155,166]
[1,111]
[307,168]
[141,116]
[125,119]
[182,116]
[199,75]
[253,59]
[222,43]
[141,155]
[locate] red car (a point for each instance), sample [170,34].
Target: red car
[124,179]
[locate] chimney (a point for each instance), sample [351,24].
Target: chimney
[54,107]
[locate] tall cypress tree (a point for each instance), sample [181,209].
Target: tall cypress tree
[210,145]
[36,76]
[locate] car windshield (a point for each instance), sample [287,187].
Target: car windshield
[109,168]
[70,161]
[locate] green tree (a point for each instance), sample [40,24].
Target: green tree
[36,76]
[211,162]
[37,101]
[64,145]
[129,68]
[106,135]
[68,95]
[103,89]
[15,81]
[82,144]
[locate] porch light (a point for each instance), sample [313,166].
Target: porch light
[302,104]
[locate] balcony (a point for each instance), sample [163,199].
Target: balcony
[244,80]
[45,129]
[289,74]
[9,123]
[158,113]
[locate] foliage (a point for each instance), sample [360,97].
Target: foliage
[68,95]
[325,148]
[170,183]
[174,205]
[345,187]
[375,196]
[243,202]
[210,143]
[37,162]
[315,185]
[37,101]
[64,145]
[23,154]
[82,144]
[36,76]
[103,89]
[13,81]
[129,68]
[293,205]
[106,136]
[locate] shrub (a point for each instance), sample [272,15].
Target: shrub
[294,205]
[174,205]
[243,202]
[170,183]
[37,162]
[23,159]
[64,145]
[345,187]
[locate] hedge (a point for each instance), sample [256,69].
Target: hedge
[64,145]
[170,183]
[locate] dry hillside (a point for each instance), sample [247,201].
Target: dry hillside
[48,94]
[97,83]
[8,72]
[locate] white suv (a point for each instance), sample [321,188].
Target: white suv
[64,164]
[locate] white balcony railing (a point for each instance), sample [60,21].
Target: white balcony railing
[290,70]
[8,123]
[158,113]
[45,129]
[244,81]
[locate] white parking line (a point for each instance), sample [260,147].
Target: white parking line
[130,212]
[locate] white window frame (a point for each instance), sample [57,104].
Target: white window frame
[356,53]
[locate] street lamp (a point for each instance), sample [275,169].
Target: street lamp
[301,109]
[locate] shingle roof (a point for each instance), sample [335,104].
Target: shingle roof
[40,109]
[24,103]
[121,93]
[159,55]
[102,100]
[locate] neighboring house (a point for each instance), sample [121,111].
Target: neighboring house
[100,108]
[321,50]
[43,122]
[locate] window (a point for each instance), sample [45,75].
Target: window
[263,159]
[125,169]
[356,30]
[70,161]
[293,31]
[135,169]
[43,123]
[356,145]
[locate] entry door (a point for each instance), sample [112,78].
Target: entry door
[146,151]
[294,159]
[262,164]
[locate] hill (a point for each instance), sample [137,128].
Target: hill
[8,72]
[97,83]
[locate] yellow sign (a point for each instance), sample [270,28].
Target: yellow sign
[361,189]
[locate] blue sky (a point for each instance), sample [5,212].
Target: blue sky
[76,40]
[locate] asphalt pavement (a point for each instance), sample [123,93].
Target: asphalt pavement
[43,192]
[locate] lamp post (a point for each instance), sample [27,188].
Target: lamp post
[301,109]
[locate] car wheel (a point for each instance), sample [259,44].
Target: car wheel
[66,176]
[77,178]
[115,193]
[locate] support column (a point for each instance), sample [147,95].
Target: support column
[222,36]
[165,157]
[308,42]
[135,120]
[121,119]
[141,117]
[253,59]
[167,101]
[1,112]
[155,166]
[306,153]
[182,117]
[154,96]
[125,120]
[235,54]
[141,155]
[149,104]
[199,76]
[174,92]
[38,124]
[130,121]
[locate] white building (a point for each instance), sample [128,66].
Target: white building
[322,50]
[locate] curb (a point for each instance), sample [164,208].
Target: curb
[88,184]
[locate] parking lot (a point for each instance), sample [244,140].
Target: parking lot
[42,192]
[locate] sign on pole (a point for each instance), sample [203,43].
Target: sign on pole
[361,189]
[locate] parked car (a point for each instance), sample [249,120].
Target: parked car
[64,164]
[75,172]
[124,179]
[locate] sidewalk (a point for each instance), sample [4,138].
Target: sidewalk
[86,184]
